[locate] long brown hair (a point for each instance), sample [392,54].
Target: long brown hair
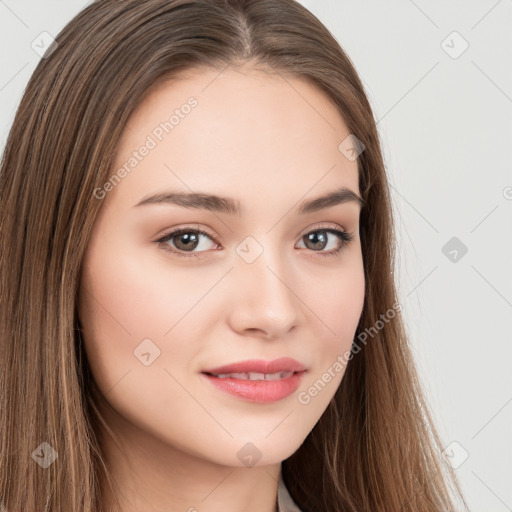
[374,448]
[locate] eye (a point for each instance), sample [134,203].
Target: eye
[187,239]
[318,240]
[184,241]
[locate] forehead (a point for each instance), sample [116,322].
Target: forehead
[246,131]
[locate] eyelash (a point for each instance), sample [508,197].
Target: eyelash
[345,237]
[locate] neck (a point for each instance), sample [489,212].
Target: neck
[149,475]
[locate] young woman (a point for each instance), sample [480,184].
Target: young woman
[198,309]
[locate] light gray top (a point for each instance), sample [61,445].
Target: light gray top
[285,502]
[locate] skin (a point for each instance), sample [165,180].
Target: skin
[269,143]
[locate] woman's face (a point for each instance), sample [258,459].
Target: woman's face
[263,283]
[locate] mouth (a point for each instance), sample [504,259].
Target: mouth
[253,375]
[258,380]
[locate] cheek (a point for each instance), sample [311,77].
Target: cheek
[336,299]
[127,293]
[124,305]
[337,304]
[128,297]
[117,309]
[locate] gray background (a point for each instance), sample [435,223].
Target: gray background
[444,115]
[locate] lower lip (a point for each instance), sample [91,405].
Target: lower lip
[263,391]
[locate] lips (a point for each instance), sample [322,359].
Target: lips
[283,364]
[257,380]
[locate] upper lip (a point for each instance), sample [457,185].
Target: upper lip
[259,366]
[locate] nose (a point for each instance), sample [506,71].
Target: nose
[262,300]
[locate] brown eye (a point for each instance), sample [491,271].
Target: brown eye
[185,240]
[318,240]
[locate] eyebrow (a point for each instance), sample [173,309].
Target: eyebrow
[231,206]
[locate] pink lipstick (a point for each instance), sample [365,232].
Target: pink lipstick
[258,380]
